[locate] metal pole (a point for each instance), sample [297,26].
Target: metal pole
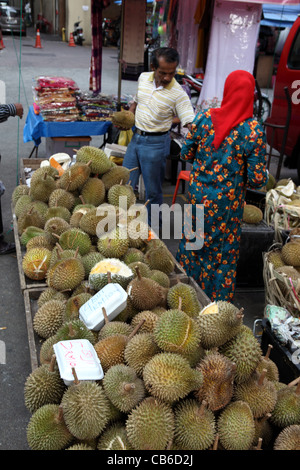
[121,55]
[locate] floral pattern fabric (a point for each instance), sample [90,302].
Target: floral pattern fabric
[218,181]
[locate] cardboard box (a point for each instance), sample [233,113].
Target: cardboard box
[65,145]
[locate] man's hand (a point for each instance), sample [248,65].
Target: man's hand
[19,108]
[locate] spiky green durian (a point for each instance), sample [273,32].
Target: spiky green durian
[235,426]
[259,393]
[287,408]
[161,259]
[47,429]
[66,274]
[245,351]
[75,176]
[86,409]
[48,294]
[114,437]
[139,350]
[114,244]
[61,197]
[175,331]
[100,163]
[43,386]
[93,191]
[158,431]
[169,377]
[36,263]
[74,329]
[195,425]
[123,387]
[187,296]
[121,195]
[40,189]
[49,318]
[219,322]
[288,438]
[74,238]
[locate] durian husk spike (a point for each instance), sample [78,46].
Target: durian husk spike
[76,380]
[128,387]
[270,347]
[262,377]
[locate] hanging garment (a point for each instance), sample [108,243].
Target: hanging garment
[134,27]
[232,43]
[96,54]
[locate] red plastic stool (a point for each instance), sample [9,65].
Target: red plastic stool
[183,175]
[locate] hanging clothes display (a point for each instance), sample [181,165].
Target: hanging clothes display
[232,43]
[187,31]
[134,27]
[96,55]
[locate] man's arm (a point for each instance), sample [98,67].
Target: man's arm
[7,110]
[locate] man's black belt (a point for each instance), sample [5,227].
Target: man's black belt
[144,133]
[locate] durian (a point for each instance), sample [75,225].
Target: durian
[43,386]
[169,377]
[139,350]
[150,426]
[47,429]
[114,438]
[49,318]
[219,324]
[195,425]
[252,214]
[124,119]
[36,263]
[185,294]
[86,409]
[218,376]
[93,191]
[99,162]
[123,387]
[235,426]
[288,438]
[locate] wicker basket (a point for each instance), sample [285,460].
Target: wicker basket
[280,290]
[280,214]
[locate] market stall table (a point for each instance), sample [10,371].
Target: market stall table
[36,127]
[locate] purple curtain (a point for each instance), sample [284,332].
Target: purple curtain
[96,57]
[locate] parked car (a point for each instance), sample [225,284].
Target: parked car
[12,20]
[288,75]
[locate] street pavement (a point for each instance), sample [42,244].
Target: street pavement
[20,63]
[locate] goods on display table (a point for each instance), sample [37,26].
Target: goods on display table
[128,353]
[59,99]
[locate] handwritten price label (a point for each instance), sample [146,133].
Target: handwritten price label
[77,354]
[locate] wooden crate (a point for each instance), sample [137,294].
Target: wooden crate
[30,301]
[25,163]
[25,282]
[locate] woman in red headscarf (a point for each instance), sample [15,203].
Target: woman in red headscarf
[227,150]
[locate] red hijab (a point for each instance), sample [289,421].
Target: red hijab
[236,106]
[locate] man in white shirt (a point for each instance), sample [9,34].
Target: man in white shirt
[159,99]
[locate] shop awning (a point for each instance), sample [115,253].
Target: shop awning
[280,15]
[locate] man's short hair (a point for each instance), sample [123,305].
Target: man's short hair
[168,53]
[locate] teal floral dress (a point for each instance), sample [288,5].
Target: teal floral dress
[218,183]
